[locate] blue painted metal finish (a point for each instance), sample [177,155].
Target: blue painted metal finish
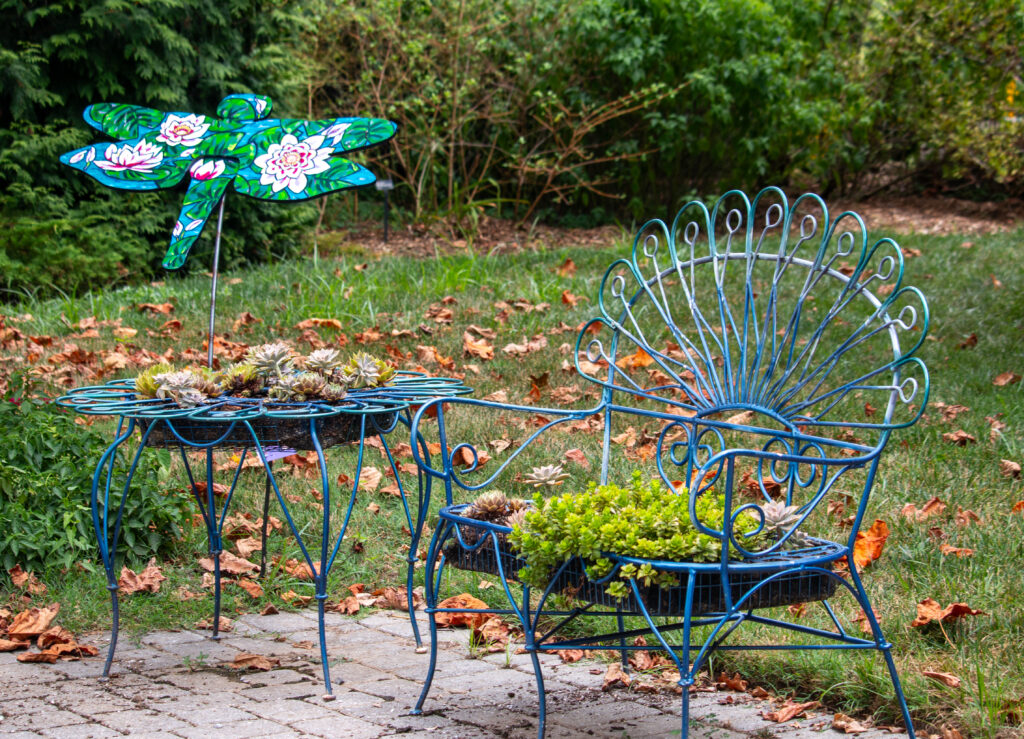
[243,423]
[774,346]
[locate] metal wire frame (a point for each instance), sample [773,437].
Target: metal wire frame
[747,335]
[117,398]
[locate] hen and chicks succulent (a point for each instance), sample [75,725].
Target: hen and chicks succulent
[271,369]
[496,507]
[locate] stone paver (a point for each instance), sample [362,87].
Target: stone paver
[176,684]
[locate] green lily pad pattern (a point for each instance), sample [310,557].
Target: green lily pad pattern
[265,158]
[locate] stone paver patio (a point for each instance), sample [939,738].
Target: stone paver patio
[173,684]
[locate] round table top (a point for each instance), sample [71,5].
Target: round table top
[117,398]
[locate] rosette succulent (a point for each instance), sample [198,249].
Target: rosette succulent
[307,386]
[270,360]
[283,390]
[780,518]
[363,370]
[272,371]
[333,393]
[323,360]
[495,507]
[181,387]
[146,383]
[241,381]
[549,475]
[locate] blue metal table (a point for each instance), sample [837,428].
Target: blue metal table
[257,426]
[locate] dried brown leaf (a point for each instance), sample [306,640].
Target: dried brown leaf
[842,722]
[1009,468]
[477,347]
[1006,378]
[790,710]
[148,580]
[615,677]
[32,622]
[959,437]
[247,661]
[946,678]
[929,610]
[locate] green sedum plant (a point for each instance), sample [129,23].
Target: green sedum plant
[644,520]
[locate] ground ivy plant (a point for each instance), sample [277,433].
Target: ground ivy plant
[646,519]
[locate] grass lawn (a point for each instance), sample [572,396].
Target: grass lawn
[393,306]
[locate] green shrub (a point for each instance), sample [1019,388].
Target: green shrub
[46,469]
[645,520]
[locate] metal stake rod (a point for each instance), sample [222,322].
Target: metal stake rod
[213,286]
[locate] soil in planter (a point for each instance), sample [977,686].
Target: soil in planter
[709,595]
[287,432]
[484,558]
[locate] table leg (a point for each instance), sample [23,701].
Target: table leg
[212,518]
[101,521]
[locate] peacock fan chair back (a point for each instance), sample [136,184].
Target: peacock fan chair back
[772,346]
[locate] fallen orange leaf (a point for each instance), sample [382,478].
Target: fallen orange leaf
[247,661]
[790,710]
[477,347]
[462,618]
[958,551]
[929,610]
[229,563]
[252,588]
[319,323]
[33,622]
[842,722]
[933,507]
[868,545]
[615,677]
[146,581]
[945,678]
[639,360]
[732,683]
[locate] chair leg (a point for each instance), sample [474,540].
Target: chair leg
[541,701]
[884,647]
[266,520]
[430,594]
[623,654]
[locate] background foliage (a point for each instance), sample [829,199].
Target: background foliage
[576,112]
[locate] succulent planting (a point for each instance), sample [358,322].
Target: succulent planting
[272,371]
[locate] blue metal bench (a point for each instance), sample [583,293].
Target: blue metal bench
[774,347]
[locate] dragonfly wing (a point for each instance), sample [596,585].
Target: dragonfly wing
[137,164]
[350,134]
[288,161]
[122,121]
[245,108]
[210,179]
